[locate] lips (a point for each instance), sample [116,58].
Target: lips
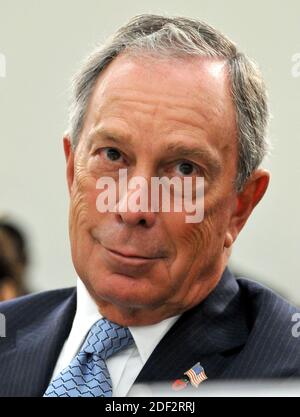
[131,255]
[129,263]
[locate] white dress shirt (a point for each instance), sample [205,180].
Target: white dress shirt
[123,366]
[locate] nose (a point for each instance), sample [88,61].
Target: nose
[132,214]
[140,218]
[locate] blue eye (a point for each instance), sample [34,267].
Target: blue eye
[112,154]
[186,168]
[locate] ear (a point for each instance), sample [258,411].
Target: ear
[69,154]
[246,200]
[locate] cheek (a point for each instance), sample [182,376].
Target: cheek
[190,237]
[194,243]
[83,203]
[204,238]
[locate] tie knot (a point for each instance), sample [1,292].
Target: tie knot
[106,338]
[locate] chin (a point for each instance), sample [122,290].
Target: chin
[124,291]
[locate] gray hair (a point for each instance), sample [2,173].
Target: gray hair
[180,37]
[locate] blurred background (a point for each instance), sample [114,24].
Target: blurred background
[42,44]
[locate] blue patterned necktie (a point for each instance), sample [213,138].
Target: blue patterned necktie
[87,375]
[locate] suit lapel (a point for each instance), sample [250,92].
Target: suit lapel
[35,353]
[210,333]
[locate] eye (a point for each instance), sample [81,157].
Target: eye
[187,168]
[112,154]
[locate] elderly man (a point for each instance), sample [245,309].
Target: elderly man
[155,301]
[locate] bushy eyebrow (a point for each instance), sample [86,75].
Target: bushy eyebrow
[107,134]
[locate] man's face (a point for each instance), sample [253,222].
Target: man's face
[155,118]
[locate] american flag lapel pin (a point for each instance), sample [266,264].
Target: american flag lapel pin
[195,376]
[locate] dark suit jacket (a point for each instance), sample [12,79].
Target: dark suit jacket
[241,331]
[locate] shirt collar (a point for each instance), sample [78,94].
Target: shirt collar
[146,337]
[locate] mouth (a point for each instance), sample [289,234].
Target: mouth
[131,254]
[130,258]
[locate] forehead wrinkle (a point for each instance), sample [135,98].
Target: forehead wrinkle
[129,126]
[153,103]
[169,123]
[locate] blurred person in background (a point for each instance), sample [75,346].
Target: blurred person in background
[13,260]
